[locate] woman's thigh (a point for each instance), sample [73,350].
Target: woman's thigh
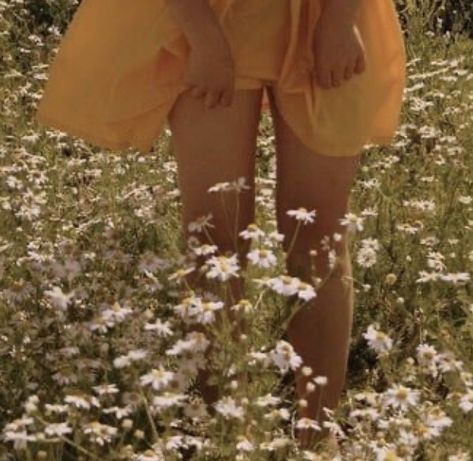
[312,180]
[211,146]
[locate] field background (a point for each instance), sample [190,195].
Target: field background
[104,226]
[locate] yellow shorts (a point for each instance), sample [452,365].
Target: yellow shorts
[118,72]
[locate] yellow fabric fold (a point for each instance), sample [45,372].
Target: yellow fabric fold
[118,72]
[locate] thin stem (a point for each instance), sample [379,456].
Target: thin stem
[236,220]
[227,218]
[150,417]
[294,238]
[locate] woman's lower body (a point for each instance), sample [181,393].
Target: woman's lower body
[219,144]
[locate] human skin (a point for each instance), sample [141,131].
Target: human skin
[219,145]
[338,48]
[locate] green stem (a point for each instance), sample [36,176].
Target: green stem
[293,238]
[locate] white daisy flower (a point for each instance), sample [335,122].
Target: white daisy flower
[57,429]
[466,401]
[158,378]
[352,221]
[200,223]
[399,396]
[168,399]
[252,232]
[285,284]
[99,433]
[223,267]
[162,329]
[262,257]
[380,342]
[58,298]
[285,357]
[228,407]
[205,312]
[308,423]
[301,214]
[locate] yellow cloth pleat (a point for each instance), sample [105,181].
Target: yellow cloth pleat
[119,70]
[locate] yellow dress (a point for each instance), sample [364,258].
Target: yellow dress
[121,65]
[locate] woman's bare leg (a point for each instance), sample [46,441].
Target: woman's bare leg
[215,145]
[320,331]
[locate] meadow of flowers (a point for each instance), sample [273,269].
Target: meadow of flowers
[101,335]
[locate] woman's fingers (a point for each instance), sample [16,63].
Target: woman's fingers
[337,76]
[324,78]
[348,74]
[226,98]
[360,64]
[211,99]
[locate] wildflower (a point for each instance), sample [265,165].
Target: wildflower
[306,291]
[200,223]
[307,423]
[457,278]
[150,455]
[285,357]
[262,257]
[386,453]
[151,262]
[59,299]
[204,312]
[377,340]
[117,312]
[446,362]
[223,267]
[320,380]
[162,328]
[82,401]
[239,184]
[459,456]
[31,403]
[227,407]
[352,221]
[466,401]
[252,232]
[100,433]
[158,378]
[244,444]
[205,249]
[106,389]
[367,256]
[275,237]
[436,418]
[222,186]
[301,214]
[180,274]
[55,408]
[196,341]
[285,284]
[399,396]
[15,432]
[266,400]
[168,399]
[57,429]
[119,412]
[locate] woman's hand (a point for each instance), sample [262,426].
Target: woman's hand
[211,72]
[338,51]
